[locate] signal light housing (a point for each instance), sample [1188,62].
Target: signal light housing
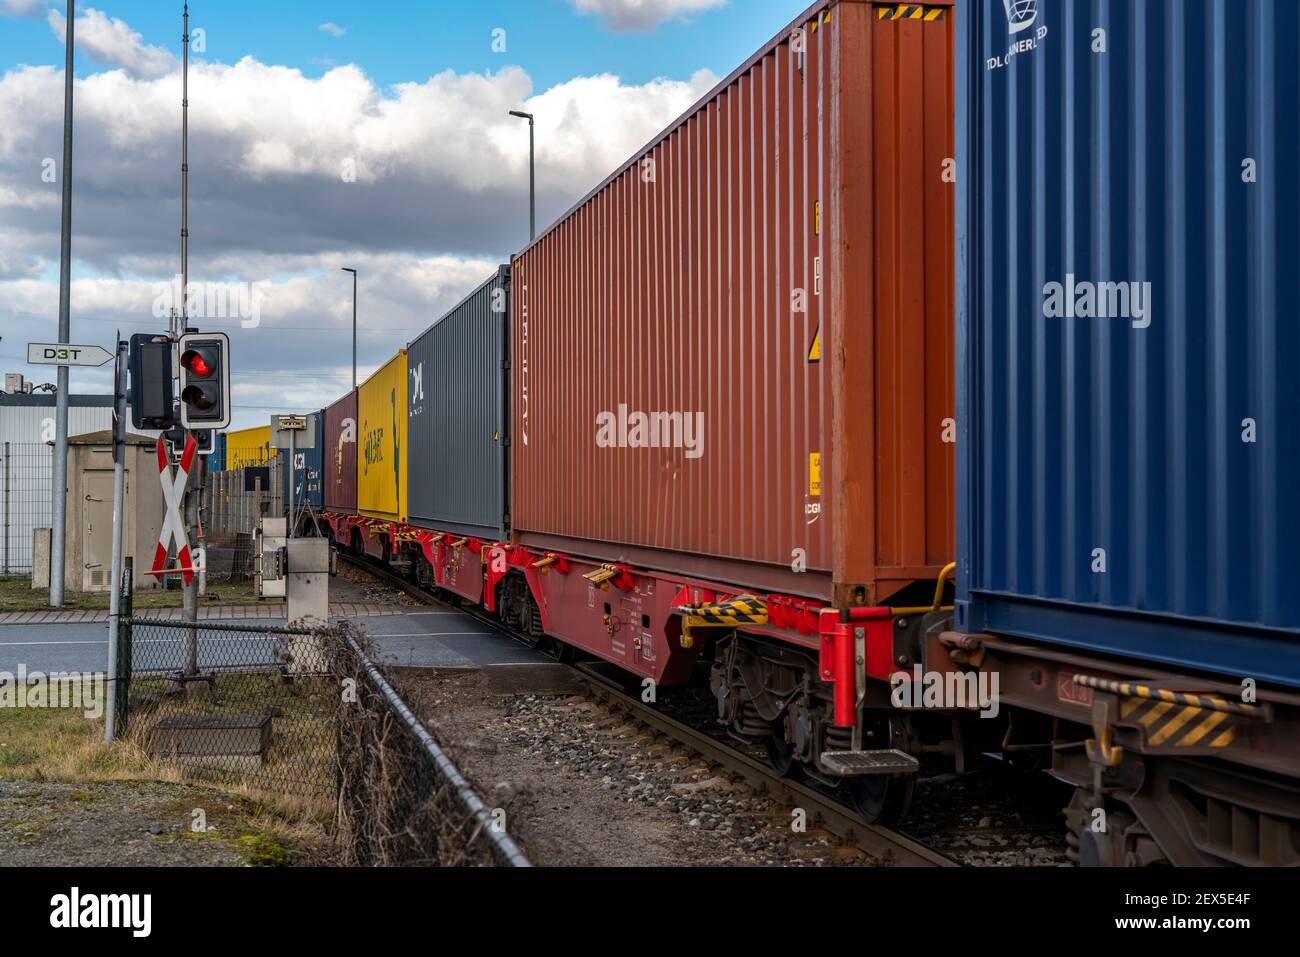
[203,368]
[150,391]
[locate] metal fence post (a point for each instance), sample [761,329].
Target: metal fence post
[8,495]
[119,694]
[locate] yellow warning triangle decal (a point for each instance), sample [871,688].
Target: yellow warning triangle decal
[815,353]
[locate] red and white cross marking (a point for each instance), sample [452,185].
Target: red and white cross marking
[173,529]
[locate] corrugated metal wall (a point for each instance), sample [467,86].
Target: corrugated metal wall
[340,463]
[456,430]
[1136,464]
[775,270]
[31,418]
[27,428]
[381,439]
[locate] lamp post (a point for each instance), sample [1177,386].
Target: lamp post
[354,324]
[532,172]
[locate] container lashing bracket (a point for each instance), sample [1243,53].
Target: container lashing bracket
[744,610]
[1166,719]
[606,575]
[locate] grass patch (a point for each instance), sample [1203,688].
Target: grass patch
[17,594]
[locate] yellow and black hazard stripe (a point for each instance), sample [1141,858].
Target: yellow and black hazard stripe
[910,11]
[1176,719]
[745,610]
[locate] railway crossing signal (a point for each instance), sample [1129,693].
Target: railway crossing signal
[151,397]
[204,372]
[173,530]
[201,363]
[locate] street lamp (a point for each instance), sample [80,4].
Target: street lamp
[532,173]
[354,324]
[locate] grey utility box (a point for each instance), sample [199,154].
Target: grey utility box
[308,584]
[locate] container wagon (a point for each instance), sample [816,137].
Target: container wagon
[1128,410]
[730,404]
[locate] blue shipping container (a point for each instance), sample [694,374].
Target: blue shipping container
[307,472]
[1128,247]
[217,460]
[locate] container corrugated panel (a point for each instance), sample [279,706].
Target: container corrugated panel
[456,428]
[734,357]
[249,447]
[1129,414]
[381,442]
[217,460]
[340,461]
[308,472]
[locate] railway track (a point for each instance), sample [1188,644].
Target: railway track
[881,843]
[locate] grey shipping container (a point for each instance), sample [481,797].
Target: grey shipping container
[1127,397]
[456,416]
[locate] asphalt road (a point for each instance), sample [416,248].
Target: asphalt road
[421,637]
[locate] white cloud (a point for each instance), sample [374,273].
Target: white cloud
[21,8]
[333,29]
[440,165]
[440,199]
[112,42]
[637,15]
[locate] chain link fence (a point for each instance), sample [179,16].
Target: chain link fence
[233,703]
[303,712]
[26,477]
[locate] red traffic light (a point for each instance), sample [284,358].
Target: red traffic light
[195,363]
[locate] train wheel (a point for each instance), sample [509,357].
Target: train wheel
[558,650]
[780,754]
[885,798]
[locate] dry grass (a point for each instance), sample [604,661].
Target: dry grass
[47,744]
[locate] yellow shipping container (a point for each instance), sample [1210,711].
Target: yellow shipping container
[249,447]
[381,462]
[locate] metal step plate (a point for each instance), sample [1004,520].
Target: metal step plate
[856,764]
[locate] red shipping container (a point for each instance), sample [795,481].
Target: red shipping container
[340,458]
[734,358]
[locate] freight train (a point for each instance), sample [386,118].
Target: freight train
[787,396]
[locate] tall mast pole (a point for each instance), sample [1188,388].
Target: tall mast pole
[185,170]
[194,487]
[59,505]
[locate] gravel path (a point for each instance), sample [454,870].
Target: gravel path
[583,786]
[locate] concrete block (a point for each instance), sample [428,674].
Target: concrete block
[41,557]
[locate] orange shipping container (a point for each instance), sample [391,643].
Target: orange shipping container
[734,358]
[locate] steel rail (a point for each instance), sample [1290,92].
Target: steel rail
[882,843]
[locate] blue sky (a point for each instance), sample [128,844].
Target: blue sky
[401,42]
